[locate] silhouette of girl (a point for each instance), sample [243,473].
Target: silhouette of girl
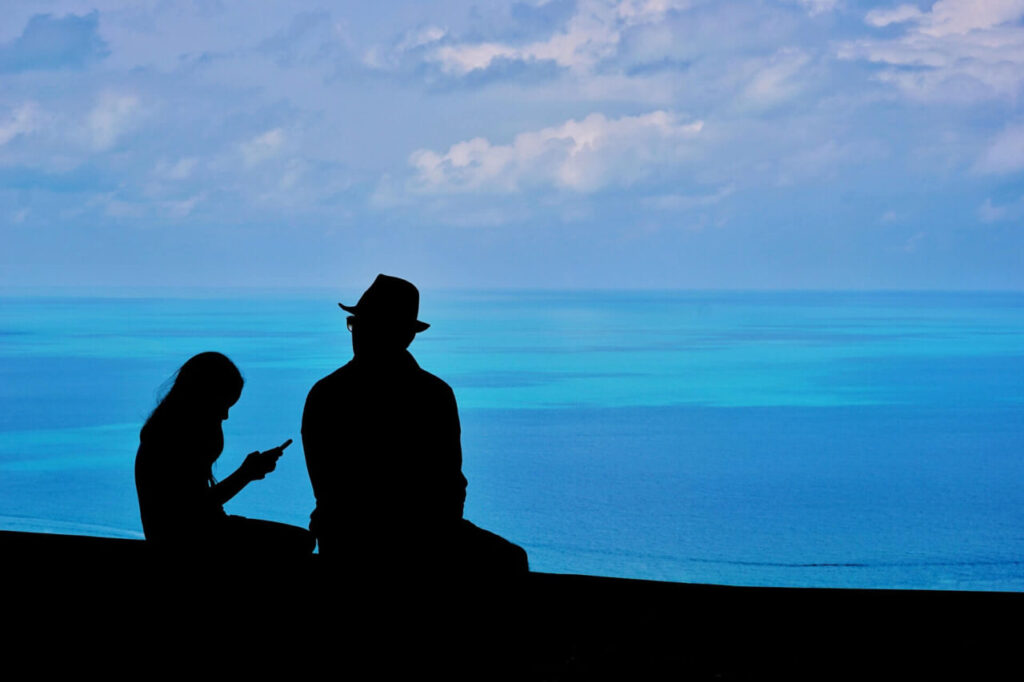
[181,503]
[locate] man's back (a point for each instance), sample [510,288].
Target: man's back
[382,445]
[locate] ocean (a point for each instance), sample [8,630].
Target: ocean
[826,439]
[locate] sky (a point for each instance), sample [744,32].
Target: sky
[592,144]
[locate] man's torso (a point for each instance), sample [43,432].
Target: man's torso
[382,445]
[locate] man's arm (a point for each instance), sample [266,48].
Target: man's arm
[319,446]
[312,440]
[453,455]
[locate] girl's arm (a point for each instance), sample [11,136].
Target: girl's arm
[256,466]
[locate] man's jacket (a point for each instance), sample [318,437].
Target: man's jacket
[382,445]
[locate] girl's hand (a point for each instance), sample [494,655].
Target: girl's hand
[259,464]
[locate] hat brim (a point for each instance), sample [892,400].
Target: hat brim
[417,326]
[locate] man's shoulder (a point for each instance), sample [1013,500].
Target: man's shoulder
[343,379]
[333,380]
[433,382]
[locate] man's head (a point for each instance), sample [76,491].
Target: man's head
[384,320]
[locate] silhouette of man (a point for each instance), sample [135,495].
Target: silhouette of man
[382,444]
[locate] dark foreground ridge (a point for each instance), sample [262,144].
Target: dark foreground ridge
[77,604]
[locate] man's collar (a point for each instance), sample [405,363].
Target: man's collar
[403,361]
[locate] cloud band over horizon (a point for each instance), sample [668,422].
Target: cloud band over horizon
[665,143]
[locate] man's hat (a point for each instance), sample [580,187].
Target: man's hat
[392,300]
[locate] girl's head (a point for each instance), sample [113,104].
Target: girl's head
[209,383]
[202,392]
[204,388]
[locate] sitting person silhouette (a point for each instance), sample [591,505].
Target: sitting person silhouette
[180,502]
[382,444]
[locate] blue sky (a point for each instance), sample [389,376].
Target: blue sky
[581,144]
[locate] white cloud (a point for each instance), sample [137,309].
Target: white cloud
[578,155]
[463,59]
[824,161]
[117,208]
[292,176]
[179,170]
[988,212]
[592,34]
[647,10]
[896,15]
[959,49]
[424,36]
[379,57]
[262,147]
[1005,153]
[951,17]
[913,242]
[683,202]
[387,194]
[22,121]
[183,207]
[113,116]
[775,81]
[815,7]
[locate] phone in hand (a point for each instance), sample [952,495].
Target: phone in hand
[279,450]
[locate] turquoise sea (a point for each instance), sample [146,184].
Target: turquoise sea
[813,439]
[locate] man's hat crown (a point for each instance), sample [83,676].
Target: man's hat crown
[390,299]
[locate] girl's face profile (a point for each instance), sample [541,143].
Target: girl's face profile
[218,404]
[227,403]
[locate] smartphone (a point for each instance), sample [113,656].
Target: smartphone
[280,448]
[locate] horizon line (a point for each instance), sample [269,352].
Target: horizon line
[214,291]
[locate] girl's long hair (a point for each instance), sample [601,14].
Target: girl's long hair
[205,382]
